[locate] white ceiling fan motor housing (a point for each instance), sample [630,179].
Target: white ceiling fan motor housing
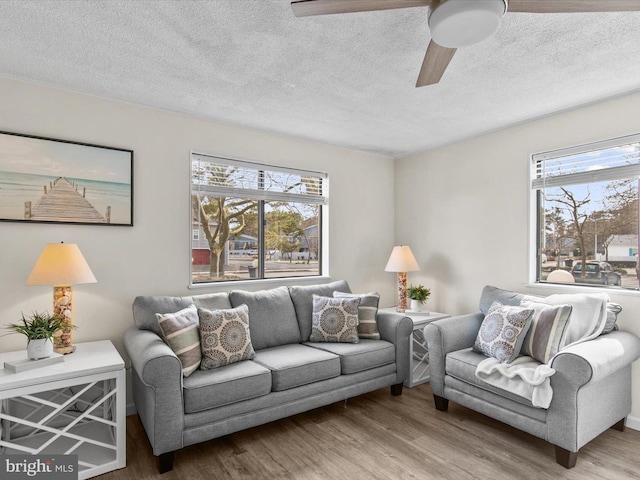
[459,23]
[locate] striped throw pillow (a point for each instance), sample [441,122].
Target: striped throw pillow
[181,332]
[549,328]
[367,313]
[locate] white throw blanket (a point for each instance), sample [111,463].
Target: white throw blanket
[531,379]
[524,376]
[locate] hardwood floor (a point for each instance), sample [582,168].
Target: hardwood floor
[378,436]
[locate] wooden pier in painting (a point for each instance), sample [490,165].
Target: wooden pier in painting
[62,202]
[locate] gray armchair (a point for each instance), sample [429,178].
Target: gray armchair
[591,386]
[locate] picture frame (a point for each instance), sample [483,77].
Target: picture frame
[49,180]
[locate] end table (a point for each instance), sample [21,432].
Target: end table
[418,352]
[74,407]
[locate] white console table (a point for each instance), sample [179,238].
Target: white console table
[74,407]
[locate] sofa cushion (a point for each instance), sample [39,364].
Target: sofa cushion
[180,332]
[212,301]
[302,297]
[367,313]
[295,365]
[335,320]
[549,326]
[491,294]
[145,308]
[503,331]
[272,317]
[357,357]
[462,364]
[225,336]
[207,389]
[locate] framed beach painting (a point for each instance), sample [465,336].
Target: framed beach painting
[49,180]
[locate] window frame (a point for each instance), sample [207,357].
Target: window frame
[536,204]
[262,196]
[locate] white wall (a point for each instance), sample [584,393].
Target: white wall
[470,204]
[152,257]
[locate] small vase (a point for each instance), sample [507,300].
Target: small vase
[416,306]
[39,348]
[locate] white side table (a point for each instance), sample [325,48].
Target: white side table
[75,407]
[418,352]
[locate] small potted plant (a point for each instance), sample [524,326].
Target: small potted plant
[418,295]
[39,329]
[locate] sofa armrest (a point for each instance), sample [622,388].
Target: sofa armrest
[397,328]
[157,388]
[445,336]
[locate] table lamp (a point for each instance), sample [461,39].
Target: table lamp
[61,265]
[402,261]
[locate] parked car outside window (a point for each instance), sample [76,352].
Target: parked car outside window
[596,272]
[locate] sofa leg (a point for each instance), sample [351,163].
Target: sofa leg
[442,404]
[165,462]
[566,458]
[619,426]
[396,389]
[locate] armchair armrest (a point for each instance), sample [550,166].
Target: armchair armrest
[448,335]
[591,388]
[397,329]
[157,388]
[596,359]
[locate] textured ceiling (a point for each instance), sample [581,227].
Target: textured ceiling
[340,79]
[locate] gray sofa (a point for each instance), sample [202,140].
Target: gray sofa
[288,375]
[591,386]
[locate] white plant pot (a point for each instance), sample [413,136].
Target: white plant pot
[416,306]
[39,348]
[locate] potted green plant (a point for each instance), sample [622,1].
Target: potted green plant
[39,329]
[418,295]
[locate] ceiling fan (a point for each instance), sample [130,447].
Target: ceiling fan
[459,23]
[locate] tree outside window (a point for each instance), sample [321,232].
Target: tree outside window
[257,221]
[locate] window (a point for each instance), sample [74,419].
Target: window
[586,200]
[254,221]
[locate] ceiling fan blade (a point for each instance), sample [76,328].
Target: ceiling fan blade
[573,6]
[435,63]
[304,8]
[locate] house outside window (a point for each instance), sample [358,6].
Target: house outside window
[255,221]
[586,212]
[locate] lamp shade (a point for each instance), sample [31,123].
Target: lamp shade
[61,264]
[402,260]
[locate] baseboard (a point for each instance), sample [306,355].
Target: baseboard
[632,422]
[131,409]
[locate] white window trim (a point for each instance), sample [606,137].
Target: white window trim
[265,282]
[533,211]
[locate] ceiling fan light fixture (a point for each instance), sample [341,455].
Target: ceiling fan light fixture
[460,23]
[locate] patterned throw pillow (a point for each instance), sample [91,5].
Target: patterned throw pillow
[180,332]
[502,332]
[367,313]
[334,320]
[549,327]
[225,336]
